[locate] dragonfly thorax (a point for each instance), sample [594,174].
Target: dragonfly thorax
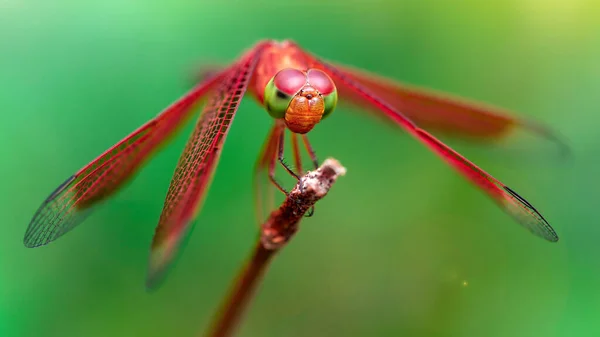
[301,98]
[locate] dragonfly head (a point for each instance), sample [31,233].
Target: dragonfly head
[301,98]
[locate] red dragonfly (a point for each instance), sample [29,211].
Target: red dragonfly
[299,90]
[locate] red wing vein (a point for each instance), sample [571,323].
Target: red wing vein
[196,167]
[516,206]
[68,205]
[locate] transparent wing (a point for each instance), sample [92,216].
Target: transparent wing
[196,167]
[73,200]
[512,203]
[264,190]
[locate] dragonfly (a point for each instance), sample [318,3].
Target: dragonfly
[298,90]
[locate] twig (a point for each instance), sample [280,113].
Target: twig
[276,232]
[241,292]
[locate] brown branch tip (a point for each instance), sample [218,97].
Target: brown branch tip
[283,222]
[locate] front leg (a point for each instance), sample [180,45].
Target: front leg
[280,157]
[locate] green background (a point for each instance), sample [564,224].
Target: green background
[402,246]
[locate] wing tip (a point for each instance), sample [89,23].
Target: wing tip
[544,229]
[31,238]
[34,240]
[565,151]
[28,243]
[162,256]
[154,280]
[157,271]
[548,234]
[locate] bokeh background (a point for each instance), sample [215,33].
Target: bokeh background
[402,246]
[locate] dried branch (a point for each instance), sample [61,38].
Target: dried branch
[276,232]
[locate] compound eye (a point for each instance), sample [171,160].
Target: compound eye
[281,89]
[324,84]
[289,81]
[321,81]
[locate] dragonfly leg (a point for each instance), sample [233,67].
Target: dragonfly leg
[280,157]
[275,182]
[272,171]
[311,212]
[311,151]
[297,160]
[313,158]
[297,157]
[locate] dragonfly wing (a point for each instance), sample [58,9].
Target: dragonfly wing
[196,167]
[68,205]
[521,210]
[444,113]
[264,190]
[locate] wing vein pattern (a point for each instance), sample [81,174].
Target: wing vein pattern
[512,203]
[196,166]
[73,200]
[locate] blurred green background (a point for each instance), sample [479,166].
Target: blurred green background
[402,246]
